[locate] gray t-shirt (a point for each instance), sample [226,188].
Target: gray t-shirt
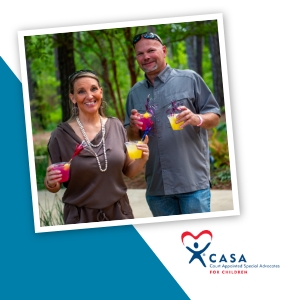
[179,160]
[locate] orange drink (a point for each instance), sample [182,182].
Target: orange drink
[133,151]
[172,119]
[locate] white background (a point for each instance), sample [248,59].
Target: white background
[262,47]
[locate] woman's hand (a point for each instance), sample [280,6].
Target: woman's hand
[52,178]
[144,147]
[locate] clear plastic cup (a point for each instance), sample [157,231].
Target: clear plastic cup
[133,151]
[64,168]
[172,119]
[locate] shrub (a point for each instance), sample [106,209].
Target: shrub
[219,152]
[41,164]
[219,146]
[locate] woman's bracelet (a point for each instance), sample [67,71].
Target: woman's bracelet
[49,187]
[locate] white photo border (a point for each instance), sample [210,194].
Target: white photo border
[22,34]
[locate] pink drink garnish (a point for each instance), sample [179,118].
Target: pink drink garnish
[78,149]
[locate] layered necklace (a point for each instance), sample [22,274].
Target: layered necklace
[95,146]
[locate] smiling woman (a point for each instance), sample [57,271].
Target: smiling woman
[96,190]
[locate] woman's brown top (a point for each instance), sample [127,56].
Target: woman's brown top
[87,185]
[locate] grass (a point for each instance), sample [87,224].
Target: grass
[51,213]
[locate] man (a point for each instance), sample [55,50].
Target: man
[178,169]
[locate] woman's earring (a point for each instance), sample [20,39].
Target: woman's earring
[75,109]
[103,104]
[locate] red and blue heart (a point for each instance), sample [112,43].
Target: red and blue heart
[196,237]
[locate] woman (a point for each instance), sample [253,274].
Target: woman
[95,190]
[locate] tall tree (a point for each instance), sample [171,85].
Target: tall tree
[216,68]
[66,66]
[194,45]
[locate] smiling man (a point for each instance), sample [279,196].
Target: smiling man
[178,169]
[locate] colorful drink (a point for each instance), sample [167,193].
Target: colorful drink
[133,151]
[146,120]
[64,168]
[172,119]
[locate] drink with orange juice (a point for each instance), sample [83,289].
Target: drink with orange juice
[133,151]
[174,125]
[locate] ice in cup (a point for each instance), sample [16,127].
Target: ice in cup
[172,119]
[146,120]
[133,151]
[64,168]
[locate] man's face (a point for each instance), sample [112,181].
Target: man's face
[150,55]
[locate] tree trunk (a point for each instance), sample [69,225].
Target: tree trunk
[194,45]
[190,51]
[199,54]
[66,66]
[216,68]
[130,56]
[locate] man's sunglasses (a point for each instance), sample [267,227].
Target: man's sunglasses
[81,71]
[146,35]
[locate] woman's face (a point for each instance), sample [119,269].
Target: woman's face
[87,95]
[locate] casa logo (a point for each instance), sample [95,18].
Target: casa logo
[198,244]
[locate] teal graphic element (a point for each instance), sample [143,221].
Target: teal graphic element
[99,263]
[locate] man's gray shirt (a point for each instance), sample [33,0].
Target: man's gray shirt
[179,160]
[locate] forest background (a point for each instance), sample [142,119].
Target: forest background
[51,58]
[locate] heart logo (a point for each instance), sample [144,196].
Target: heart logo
[187,233]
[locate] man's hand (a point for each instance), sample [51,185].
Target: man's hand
[209,120]
[134,120]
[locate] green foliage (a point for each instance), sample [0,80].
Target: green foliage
[223,175]
[40,150]
[39,47]
[55,117]
[107,53]
[180,59]
[219,146]
[207,68]
[41,164]
[219,177]
[220,170]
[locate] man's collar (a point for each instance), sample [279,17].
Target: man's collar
[163,75]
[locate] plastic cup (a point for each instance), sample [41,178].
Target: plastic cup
[133,151]
[64,168]
[172,119]
[146,120]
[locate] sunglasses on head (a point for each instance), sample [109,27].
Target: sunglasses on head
[146,35]
[81,71]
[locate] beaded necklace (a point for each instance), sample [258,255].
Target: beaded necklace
[92,145]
